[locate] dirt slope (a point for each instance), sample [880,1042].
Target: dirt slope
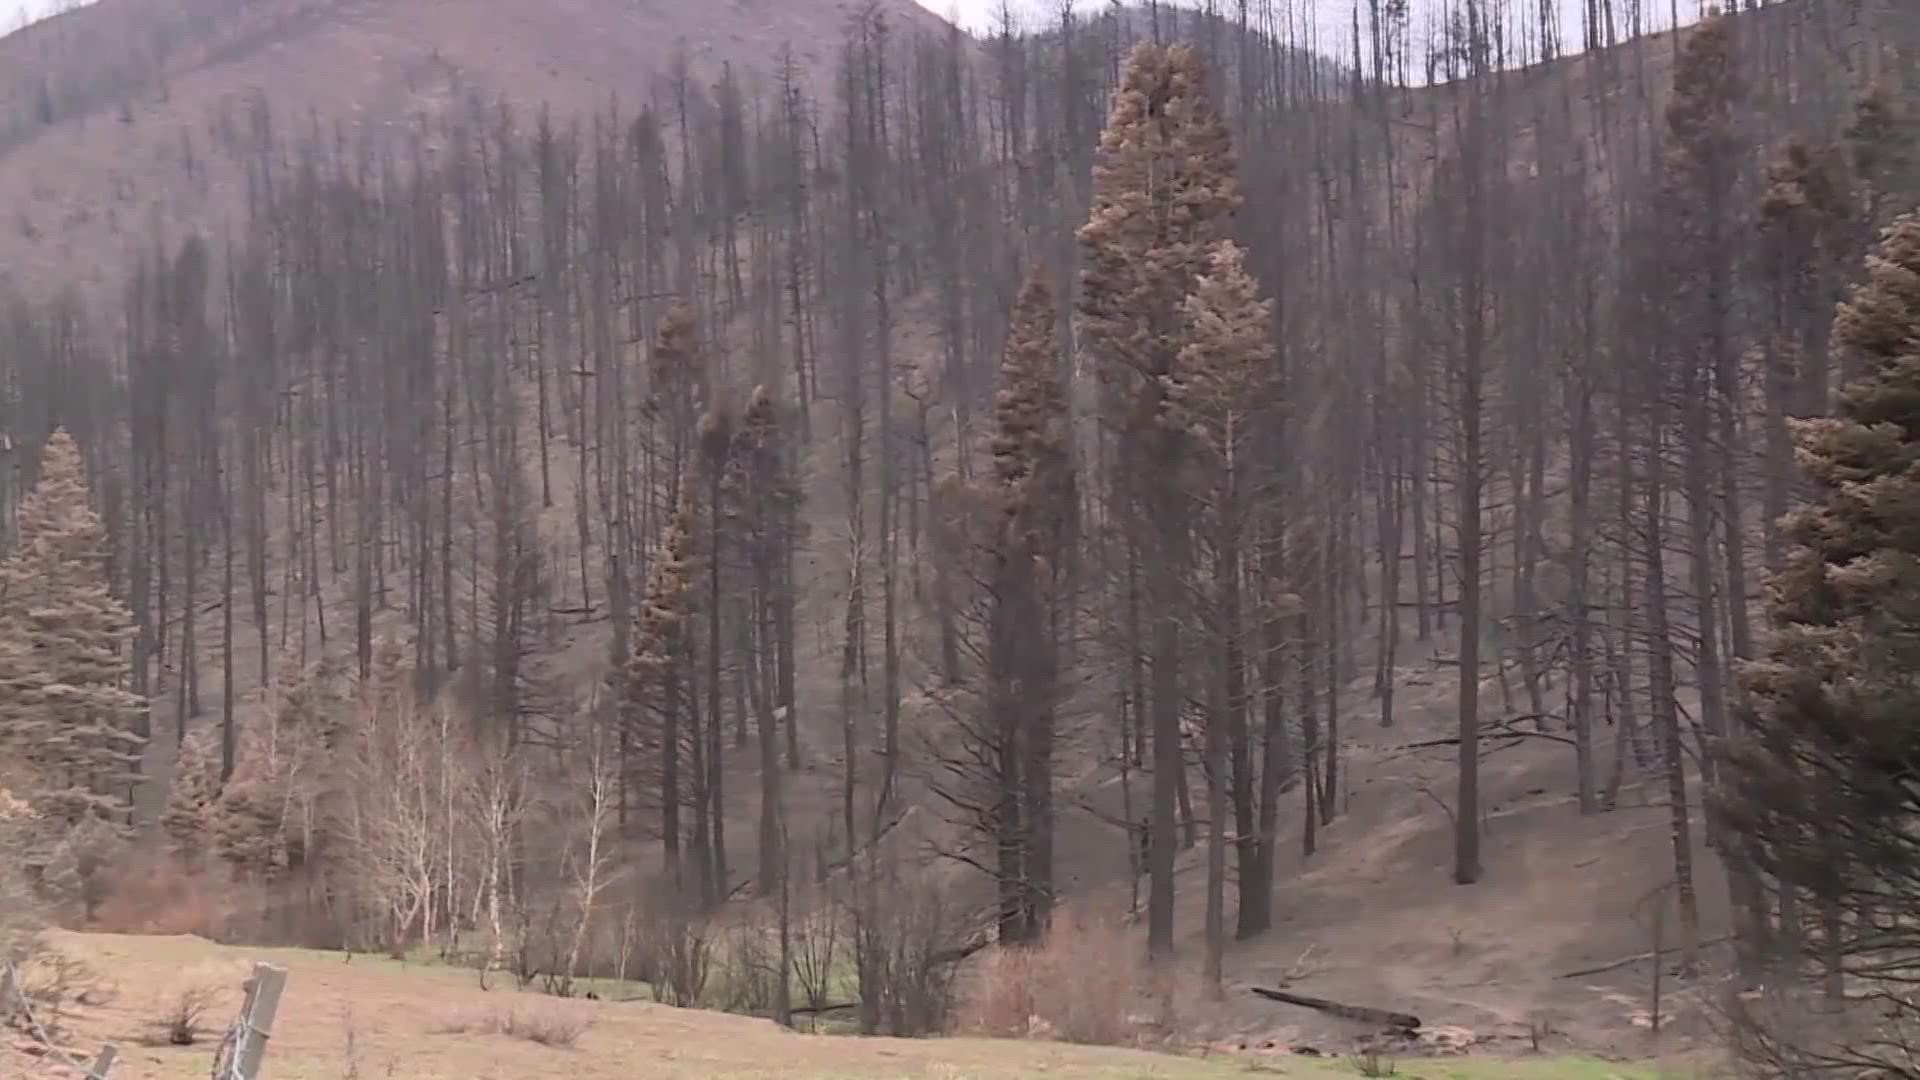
[131,112]
[1374,917]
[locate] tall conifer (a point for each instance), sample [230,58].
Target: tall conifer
[1164,189]
[1823,793]
[65,708]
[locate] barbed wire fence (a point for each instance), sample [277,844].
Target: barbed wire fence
[238,1057]
[244,1046]
[15,1002]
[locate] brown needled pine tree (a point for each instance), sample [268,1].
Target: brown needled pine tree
[1034,496]
[1218,395]
[655,698]
[1164,188]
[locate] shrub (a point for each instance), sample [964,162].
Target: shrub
[79,865]
[1001,998]
[1370,1064]
[904,937]
[1086,984]
[818,957]
[749,969]
[183,1012]
[682,948]
[553,1029]
[547,1027]
[50,981]
[161,894]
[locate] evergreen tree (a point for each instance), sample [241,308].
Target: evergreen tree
[1225,359]
[678,389]
[193,795]
[1880,140]
[1031,456]
[1218,393]
[1164,187]
[289,775]
[1805,225]
[64,704]
[1034,498]
[1823,792]
[19,908]
[656,692]
[769,500]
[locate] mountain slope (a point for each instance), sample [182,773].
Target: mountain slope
[125,113]
[1367,904]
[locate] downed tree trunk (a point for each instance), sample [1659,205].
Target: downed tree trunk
[817,1010]
[1398,1021]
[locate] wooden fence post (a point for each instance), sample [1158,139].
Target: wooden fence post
[9,476]
[256,1019]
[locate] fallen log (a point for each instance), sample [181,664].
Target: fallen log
[816,1010]
[1364,1014]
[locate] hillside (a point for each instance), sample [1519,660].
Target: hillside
[1510,959]
[124,118]
[557,519]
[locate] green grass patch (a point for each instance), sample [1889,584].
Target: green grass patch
[1491,1068]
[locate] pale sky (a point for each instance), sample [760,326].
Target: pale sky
[1331,17]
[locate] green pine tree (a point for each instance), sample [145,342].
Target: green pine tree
[64,704]
[194,793]
[1823,789]
[1881,140]
[288,782]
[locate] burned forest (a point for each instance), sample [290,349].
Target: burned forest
[886,527]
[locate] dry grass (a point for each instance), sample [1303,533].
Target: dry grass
[434,1023]
[383,1018]
[1086,985]
[545,1026]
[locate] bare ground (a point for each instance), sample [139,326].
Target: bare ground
[1374,917]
